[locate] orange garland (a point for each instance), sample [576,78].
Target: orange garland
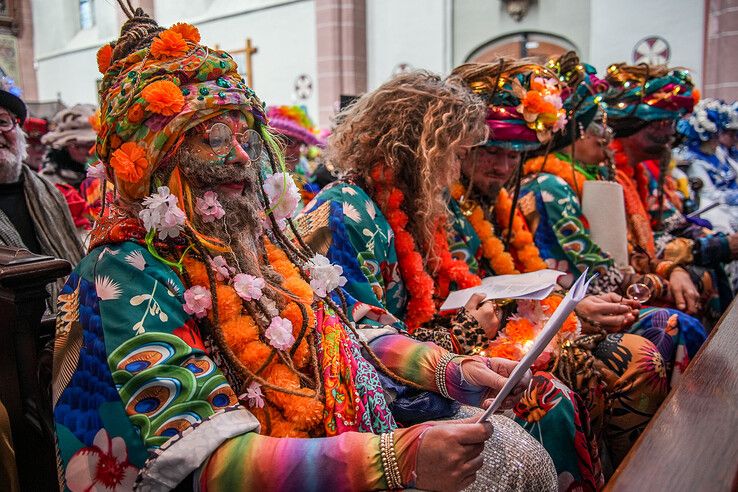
[285,415]
[516,338]
[523,247]
[492,248]
[562,169]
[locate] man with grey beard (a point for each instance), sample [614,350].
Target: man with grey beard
[33,214]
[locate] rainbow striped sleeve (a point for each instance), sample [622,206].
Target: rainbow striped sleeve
[350,461]
[410,358]
[417,362]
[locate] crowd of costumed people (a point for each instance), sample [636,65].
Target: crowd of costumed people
[256,304]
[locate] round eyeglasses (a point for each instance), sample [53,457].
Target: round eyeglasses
[220,137]
[7,123]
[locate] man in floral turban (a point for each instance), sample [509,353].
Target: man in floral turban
[198,346]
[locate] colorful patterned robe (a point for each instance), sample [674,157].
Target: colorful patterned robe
[139,396]
[362,242]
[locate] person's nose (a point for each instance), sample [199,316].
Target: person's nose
[508,162]
[237,155]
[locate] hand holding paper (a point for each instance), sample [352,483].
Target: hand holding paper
[577,292]
[534,285]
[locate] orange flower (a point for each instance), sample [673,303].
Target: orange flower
[94,120]
[129,162]
[534,103]
[136,113]
[115,142]
[163,97]
[104,55]
[696,95]
[168,44]
[187,31]
[520,330]
[505,348]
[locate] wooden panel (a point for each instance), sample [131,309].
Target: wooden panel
[691,443]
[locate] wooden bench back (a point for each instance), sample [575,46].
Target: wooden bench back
[25,368]
[691,444]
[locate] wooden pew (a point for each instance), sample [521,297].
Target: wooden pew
[25,367]
[691,444]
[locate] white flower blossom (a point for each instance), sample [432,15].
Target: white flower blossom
[161,213]
[283,195]
[96,171]
[279,333]
[324,276]
[248,287]
[254,395]
[223,270]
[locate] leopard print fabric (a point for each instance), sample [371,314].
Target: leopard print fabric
[460,333]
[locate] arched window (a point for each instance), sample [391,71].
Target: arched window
[537,45]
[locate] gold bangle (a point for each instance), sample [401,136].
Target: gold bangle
[389,461]
[443,362]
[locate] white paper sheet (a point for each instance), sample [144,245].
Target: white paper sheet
[534,285]
[577,292]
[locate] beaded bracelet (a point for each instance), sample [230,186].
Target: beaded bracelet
[441,373]
[664,269]
[389,461]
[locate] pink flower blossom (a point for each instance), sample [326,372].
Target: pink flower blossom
[97,171]
[248,287]
[279,333]
[254,395]
[209,207]
[102,466]
[197,301]
[223,271]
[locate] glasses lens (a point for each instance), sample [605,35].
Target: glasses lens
[251,143]
[6,123]
[220,138]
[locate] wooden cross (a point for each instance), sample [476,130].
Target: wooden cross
[248,52]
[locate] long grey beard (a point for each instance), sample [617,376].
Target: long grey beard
[241,230]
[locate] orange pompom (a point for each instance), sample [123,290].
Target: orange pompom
[129,162]
[229,304]
[187,31]
[306,413]
[135,114]
[104,56]
[115,141]
[163,97]
[168,44]
[196,271]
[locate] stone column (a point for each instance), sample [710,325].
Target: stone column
[721,49]
[341,37]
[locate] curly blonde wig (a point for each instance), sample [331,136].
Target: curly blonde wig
[415,126]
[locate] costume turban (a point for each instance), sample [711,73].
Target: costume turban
[524,102]
[294,122]
[150,98]
[636,98]
[710,116]
[583,92]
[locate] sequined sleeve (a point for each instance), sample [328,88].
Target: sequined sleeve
[350,461]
